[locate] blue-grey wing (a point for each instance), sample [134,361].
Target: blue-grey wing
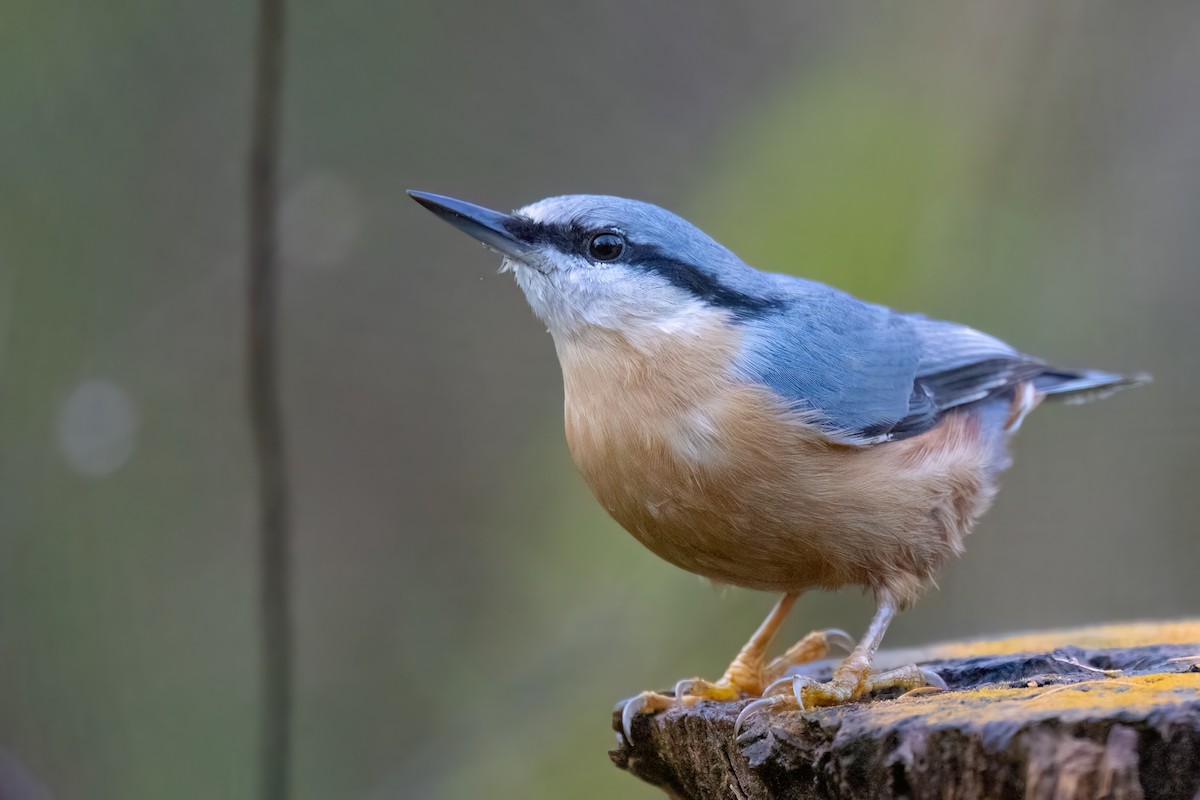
[868,374]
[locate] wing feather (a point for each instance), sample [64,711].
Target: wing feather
[869,374]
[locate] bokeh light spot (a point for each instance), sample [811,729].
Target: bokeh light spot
[97,428]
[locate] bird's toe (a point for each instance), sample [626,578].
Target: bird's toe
[648,703]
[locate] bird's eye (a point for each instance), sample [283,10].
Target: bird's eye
[606,247]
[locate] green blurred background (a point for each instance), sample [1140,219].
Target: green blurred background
[467,615]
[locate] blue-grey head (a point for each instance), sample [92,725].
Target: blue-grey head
[591,260]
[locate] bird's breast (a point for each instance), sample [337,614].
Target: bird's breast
[679,452]
[720,477]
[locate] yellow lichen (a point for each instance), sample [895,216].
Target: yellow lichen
[1125,634]
[1135,695]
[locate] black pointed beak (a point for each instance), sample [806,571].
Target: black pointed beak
[495,229]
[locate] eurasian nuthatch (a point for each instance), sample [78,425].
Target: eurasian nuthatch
[763,430]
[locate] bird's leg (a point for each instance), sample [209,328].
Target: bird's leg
[745,674]
[744,677]
[851,680]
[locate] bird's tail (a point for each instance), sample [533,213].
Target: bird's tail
[1081,386]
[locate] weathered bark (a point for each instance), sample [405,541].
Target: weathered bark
[1106,712]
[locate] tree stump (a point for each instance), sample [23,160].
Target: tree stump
[1104,712]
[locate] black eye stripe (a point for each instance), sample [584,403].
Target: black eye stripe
[573,238]
[697,282]
[566,238]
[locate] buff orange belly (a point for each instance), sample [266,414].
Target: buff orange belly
[724,481]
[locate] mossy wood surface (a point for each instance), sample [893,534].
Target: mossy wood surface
[1103,712]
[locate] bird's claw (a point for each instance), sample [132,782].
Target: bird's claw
[793,684]
[779,686]
[838,637]
[933,680]
[685,690]
[754,707]
[783,692]
[646,702]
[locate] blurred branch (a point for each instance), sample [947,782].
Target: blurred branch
[265,403]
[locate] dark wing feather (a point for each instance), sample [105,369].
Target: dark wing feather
[871,375]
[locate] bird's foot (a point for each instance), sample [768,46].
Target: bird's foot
[746,677]
[687,692]
[849,683]
[812,647]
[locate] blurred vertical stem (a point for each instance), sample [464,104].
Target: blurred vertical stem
[265,403]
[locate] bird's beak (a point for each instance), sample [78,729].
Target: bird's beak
[495,229]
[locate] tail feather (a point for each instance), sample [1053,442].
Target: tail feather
[1081,386]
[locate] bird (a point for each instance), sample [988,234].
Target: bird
[764,430]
